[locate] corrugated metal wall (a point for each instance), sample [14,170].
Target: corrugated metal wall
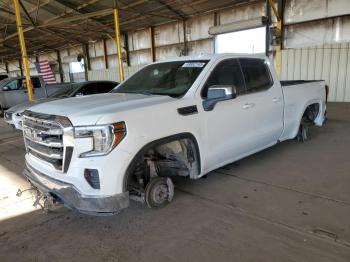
[328,62]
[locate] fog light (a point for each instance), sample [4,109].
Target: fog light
[92,177]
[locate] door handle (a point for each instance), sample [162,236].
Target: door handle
[276,99]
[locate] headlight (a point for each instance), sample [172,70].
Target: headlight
[105,138]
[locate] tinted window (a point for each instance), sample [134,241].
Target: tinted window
[105,87]
[88,89]
[97,88]
[66,91]
[36,82]
[14,84]
[256,74]
[226,73]
[168,78]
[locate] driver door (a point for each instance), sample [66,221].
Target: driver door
[228,125]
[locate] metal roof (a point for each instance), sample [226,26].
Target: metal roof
[54,24]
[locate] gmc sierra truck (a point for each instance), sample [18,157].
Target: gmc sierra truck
[182,117]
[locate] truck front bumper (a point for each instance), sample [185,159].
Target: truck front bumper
[72,198]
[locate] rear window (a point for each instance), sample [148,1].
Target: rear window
[256,74]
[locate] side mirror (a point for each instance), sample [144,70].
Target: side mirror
[218,93]
[5,88]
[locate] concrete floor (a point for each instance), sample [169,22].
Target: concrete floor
[287,203]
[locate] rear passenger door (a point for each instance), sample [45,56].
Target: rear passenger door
[264,100]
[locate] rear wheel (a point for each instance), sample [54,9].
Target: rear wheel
[159,192]
[303,133]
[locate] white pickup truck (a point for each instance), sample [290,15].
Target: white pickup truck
[182,117]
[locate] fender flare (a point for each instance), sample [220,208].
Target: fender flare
[155,143]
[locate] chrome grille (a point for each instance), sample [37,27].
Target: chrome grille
[48,138]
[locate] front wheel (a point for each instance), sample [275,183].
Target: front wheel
[159,192]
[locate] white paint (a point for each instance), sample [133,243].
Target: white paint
[219,132]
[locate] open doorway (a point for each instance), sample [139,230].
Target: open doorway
[251,41]
[77,71]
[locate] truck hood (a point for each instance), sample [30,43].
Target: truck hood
[87,110]
[26,105]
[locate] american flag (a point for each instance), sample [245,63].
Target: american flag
[44,69]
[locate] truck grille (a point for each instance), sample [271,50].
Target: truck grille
[48,138]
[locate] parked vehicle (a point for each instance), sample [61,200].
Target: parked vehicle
[2,77]
[13,116]
[182,117]
[14,92]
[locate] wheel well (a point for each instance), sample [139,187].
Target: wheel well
[176,155]
[311,112]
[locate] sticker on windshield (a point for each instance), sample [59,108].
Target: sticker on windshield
[193,64]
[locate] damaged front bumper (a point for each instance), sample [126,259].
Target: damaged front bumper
[70,196]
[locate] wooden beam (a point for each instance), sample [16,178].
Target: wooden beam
[26,13]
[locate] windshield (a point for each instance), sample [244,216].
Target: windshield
[66,91]
[169,78]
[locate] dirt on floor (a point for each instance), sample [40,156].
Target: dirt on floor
[288,203]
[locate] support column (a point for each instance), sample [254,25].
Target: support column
[20,66]
[86,61]
[126,45]
[279,14]
[23,48]
[151,42]
[7,67]
[105,54]
[184,28]
[60,69]
[117,38]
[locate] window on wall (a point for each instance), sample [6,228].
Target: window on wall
[77,67]
[251,41]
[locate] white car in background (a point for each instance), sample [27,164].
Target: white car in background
[13,116]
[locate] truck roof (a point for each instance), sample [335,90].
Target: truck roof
[212,57]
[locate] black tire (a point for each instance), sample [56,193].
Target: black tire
[159,192]
[2,112]
[303,133]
